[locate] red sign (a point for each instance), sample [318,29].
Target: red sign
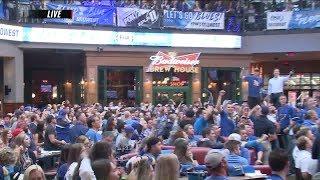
[162,62]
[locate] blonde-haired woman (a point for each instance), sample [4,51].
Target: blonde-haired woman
[167,167]
[21,145]
[141,169]
[34,172]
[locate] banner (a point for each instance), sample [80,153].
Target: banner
[98,3]
[278,20]
[193,20]
[305,19]
[1,9]
[138,17]
[99,15]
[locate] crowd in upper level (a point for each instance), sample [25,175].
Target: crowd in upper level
[240,15]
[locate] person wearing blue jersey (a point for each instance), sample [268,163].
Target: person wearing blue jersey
[284,115]
[227,124]
[311,104]
[255,84]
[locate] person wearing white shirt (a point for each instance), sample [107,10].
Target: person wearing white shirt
[305,163]
[275,87]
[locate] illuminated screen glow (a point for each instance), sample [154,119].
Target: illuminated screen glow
[99,37]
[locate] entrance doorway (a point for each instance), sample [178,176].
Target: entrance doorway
[120,84]
[172,86]
[47,86]
[216,79]
[163,95]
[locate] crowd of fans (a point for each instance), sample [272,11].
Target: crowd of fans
[240,14]
[95,141]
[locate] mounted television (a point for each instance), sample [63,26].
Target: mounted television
[46,88]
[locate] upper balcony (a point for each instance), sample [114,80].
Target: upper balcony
[215,16]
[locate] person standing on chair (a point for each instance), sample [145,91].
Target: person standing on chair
[275,87]
[255,84]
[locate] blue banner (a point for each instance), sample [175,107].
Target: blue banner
[193,20]
[305,19]
[98,15]
[98,3]
[1,10]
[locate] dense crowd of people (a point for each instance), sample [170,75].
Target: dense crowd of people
[93,141]
[240,14]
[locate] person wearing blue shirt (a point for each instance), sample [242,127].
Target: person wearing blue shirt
[161,121]
[255,84]
[284,115]
[235,159]
[310,105]
[217,166]
[79,128]
[193,139]
[200,124]
[94,123]
[310,121]
[226,123]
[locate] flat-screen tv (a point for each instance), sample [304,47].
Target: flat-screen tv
[46,88]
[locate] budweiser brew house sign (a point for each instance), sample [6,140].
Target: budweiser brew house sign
[162,62]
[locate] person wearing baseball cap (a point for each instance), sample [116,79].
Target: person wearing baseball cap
[123,140]
[217,166]
[16,132]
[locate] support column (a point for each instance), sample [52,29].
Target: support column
[244,85]
[14,78]
[196,86]
[147,87]
[91,89]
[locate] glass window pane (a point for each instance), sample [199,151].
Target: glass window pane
[121,85]
[315,80]
[305,79]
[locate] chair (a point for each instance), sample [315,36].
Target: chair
[265,169]
[298,174]
[199,153]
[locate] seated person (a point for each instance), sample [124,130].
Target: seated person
[174,136]
[311,121]
[209,140]
[279,163]
[234,157]
[302,131]
[217,166]
[305,163]
[153,148]
[182,150]
[123,141]
[252,144]
[94,124]
[193,139]
[51,143]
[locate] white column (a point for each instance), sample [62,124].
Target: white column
[13,78]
